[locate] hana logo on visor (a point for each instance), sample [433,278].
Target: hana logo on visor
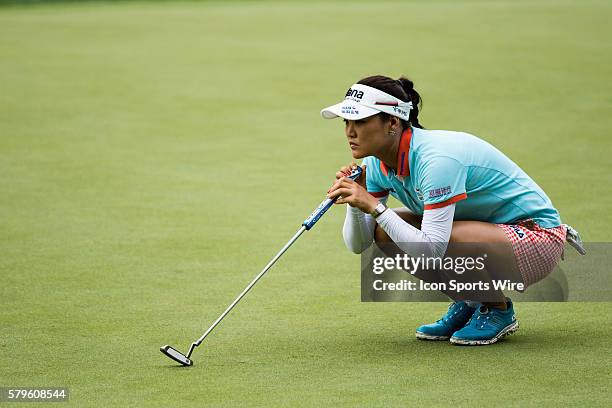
[354,94]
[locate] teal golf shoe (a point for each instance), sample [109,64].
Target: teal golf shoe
[486,326]
[455,318]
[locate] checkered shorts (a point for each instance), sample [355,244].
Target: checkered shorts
[537,250]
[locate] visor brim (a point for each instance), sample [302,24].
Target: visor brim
[348,109]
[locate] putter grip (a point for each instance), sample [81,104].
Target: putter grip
[327,203]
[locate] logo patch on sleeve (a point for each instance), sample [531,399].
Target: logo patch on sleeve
[439,192]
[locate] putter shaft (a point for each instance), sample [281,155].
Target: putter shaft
[246,290]
[306,226]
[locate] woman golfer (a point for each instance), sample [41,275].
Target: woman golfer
[455,188]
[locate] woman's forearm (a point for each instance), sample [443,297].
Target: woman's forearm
[358,230]
[431,240]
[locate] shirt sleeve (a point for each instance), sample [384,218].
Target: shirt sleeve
[443,182]
[431,240]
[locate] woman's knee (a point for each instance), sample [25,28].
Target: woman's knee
[380,236]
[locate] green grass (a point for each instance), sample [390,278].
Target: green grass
[153,157]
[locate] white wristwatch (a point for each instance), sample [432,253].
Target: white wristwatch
[379,209]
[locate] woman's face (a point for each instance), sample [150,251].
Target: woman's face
[367,136]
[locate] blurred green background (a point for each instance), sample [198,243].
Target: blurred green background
[154,156]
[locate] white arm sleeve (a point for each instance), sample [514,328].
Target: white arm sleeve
[358,230]
[435,231]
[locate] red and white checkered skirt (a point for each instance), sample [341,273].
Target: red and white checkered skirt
[537,250]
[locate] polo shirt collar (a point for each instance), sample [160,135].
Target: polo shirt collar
[402,166]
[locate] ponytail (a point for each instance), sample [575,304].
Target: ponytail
[413,96]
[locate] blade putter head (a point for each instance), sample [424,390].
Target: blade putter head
[176,355]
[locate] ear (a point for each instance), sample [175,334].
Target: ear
[396,123]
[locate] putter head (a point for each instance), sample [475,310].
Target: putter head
[175,355]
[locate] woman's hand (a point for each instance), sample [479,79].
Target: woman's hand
[347,170]
[351,192]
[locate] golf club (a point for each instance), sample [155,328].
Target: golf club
[306,225]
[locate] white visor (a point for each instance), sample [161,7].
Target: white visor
[362,101]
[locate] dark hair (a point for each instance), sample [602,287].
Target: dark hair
[403,89]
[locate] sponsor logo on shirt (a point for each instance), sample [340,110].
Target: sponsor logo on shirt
[518,231]
[439,192]
[419,194]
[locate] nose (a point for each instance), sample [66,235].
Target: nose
[349,129]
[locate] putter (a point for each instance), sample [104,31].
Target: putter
[185,359]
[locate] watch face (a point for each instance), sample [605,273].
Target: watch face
[380,208]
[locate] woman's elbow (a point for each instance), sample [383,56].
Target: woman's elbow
[356,248]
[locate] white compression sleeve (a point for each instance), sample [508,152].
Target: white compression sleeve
[358,230]
[435,231]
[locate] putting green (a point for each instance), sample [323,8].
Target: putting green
[155,156]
